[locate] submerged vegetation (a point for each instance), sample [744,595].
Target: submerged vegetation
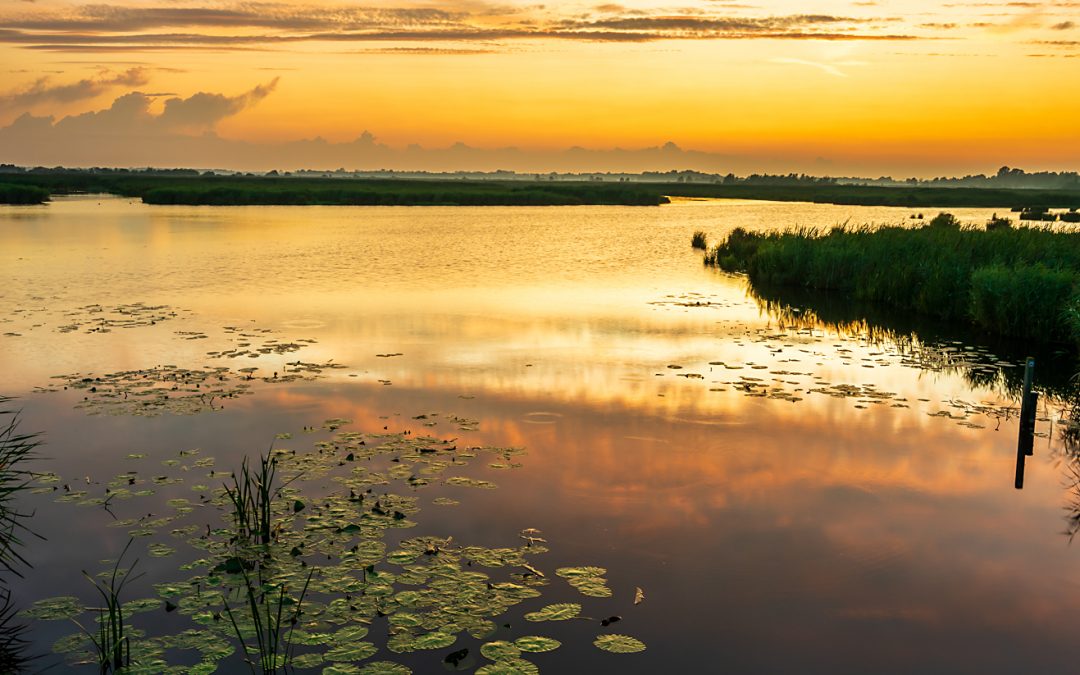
[181,187]
[1021,282]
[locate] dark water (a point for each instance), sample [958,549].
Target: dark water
[798,495]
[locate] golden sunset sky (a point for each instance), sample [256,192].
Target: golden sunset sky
[835,87]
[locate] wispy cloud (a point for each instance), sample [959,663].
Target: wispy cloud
[45,90]
[827,68]
[270,25]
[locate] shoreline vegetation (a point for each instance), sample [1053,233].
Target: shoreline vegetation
[182,187]
[1018,282]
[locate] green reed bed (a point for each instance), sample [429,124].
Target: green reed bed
[22,194]
[1021,282]
[268,190]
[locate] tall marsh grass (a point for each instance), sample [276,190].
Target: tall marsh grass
[1021,282]
[16,448]
[112,639]
[252,495]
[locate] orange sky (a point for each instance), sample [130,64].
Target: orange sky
[905,88]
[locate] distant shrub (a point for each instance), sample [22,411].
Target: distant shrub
[22,194]
[1039,214]
[944,220]
[699,240]
[996,223]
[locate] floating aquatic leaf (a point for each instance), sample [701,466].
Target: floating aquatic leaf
[355,651]
[509,667]
[384,668]
[348,635]
[160,550]
[434,640]
[558,612]
[304,638]
[309,660]
[71,643]
[341,669]
[619,644]
[144,605]
[51,609]
[500,651]
[536,644]
[587,580]
[463,481]
[639,596]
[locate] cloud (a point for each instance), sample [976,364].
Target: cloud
[266,25]
[130,118]
[43,90]
[129,133]
[203,110]
[827,68]
[1064,25]
[114,18]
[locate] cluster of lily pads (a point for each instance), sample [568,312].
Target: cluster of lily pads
[105,318]
[178,391]
[800,337]
[336,585]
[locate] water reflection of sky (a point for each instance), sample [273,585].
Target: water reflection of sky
[769,536]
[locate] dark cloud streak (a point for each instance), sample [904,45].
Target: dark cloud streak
[104,27]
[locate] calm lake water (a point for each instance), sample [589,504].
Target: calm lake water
[790,495]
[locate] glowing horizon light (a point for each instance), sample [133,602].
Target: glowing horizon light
[841,88]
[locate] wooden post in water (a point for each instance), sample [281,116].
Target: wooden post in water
[1029,403]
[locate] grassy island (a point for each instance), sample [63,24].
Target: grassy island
[182,186]
[22,194]
[1020,282]
[270,190]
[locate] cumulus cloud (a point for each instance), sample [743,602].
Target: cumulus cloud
[44,90]
[203,110]
[129,134]
[130,120]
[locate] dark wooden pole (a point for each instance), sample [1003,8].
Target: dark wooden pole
[1029,403]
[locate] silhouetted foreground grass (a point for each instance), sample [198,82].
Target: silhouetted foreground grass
[179,188]
[1021,282]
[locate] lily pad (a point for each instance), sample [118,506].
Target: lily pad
[384,668]
[52,609]
[619,644]
[500,651]
[558,612]
[434,640]
[509,667]
[357,651]
[536,644]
